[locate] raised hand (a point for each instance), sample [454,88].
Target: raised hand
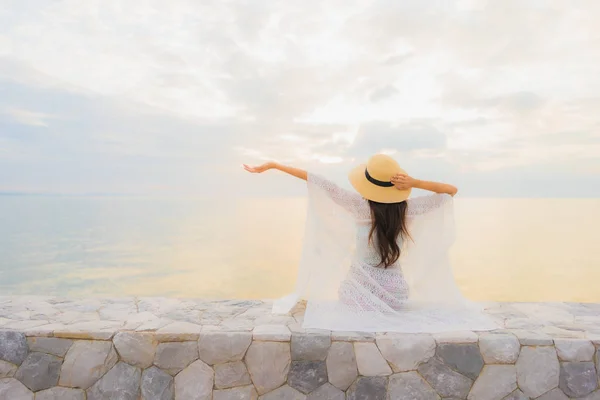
[403,182]
[259,168]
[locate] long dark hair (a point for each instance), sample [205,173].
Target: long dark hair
[389,222]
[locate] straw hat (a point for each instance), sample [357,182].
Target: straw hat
[372,180]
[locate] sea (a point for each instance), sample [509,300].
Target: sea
[506,249]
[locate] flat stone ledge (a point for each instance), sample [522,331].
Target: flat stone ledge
[167,349]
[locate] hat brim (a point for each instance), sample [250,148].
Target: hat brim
[373,192]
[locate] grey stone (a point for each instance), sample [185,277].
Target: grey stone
[222,347]
[12,389]
[537,370]
[406,352]
[499,348]
[445,381]
[173,357]
[409,385]
[578,379]
[532,338]
[369,388]
[516,395]
[341,365]
[574,349]
[13,347]
[268,364]
[554,394]
[593,396]
[369,360]
[85,362]
[283,393]
[306,376]
[326,392]
[39,371]
[495,382]
[122,382]
[456,337]
[231,375]
[239,393]
[60,393]
[7,370]
[345,336]
[195,382]
[464,358]
[157,385]
[310,346]
[136,348]
[55,346]
[274,333]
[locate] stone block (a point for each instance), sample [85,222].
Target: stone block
[137,349]
[406,352]
[574,349]
[39,371]
[268,364]
[341,365]
[85,362]
[173,357]
[306,376]
[369,360]
[13,347]
[464,358]
[50,345]
[157,385]
[499,348]
[121,382]
[410,385]
[370,388]
[445,381]
[310,346]
[195,382]
[222,347]
[231,374]
[578,379]
[537,370]
[495,382]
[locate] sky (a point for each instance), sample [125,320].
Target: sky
[157,97]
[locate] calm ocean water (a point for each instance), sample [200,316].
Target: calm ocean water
[507,249]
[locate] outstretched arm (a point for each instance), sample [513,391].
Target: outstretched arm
[297,172]
[403,182]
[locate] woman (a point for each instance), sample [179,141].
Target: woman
[375,260]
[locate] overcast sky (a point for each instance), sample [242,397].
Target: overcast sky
[499,97]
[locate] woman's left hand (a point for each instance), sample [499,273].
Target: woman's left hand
[403,182]
[259,168]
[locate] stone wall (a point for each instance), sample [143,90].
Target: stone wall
[144,354]
[272,363]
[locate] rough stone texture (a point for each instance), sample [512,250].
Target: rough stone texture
[274,333]
[326,392]
[341,365]
[157,385]
[222,347]
[283,393]
[13,347]
[306,376]
[12,389]
[406,352]
[55,346]
[310,347]
[121,382]
[85,362]
[464,358]
[537,370]
[516,395]
[240,393]
[39,371]
[60,393]
[370,388]
[456,337]
[137,349]
[445,381]
[180,331]
[578,379]
[268,364]
[195,382]
[7,370]
[409,385]
[499,348]
[574,349]
[231,375]
[554,394]
[369,360]
[532,338]
[494,382]
[175,356]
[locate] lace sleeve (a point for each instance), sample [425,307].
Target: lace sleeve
[424,204]
[351,201]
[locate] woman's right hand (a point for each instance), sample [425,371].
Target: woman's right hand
[403,182]
[259,168]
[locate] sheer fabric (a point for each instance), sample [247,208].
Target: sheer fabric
[345,288]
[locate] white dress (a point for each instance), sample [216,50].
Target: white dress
[346,289]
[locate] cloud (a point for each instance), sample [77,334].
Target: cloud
[156,92]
